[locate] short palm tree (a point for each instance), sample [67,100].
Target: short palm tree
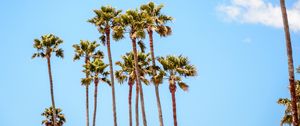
[97,68]
[127,73]
[177,67]
[156,22]
[133,22]
[48,114]
[45,47]
[104,21]
[85,49]
[290,64]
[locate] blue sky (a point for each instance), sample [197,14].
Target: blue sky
[242,65]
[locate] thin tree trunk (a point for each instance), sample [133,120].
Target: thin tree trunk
[111,75]
[51,91]
[95,101]
[143,105]
[129,102]
[150,33]
[161,122]
[138,77]
[173,90]
[87,95]
[290,63]
[137,103]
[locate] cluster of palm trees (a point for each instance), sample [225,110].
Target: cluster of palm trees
[135,67]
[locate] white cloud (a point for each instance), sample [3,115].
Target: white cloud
[260,12]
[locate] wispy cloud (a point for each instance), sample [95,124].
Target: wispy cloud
[260,12]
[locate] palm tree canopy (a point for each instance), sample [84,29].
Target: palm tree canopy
[48,114]
[127,71]
[98,71]
[155,19]
[106,17]
[175,67]
[85,49]
[134,22]
[48,44]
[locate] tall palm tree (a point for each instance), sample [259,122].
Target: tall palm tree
[134,23]
[127,73]
[290,63]
[85,49]
[45,47]
[97,68]
[156,22]
[104,21]
[48,114]
[177,67]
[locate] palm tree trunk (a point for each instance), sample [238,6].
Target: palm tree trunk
[150,33]
[129,102]
[143,105]
[137,103]
[87,95]
[107,31]
[95,101]
[173,90]
[51,90]
[138,78]
[290,63]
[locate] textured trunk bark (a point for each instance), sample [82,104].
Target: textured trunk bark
[129,103]
[107,32]
[173,90]
[87,95]
[290,63]
[138,78]
[137,103]
[95,101]
[150,33]
[51,91]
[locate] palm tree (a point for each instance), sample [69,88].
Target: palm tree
[48,113]
[45,47]
[98,73]
[176,67]
[156,22]
[85,49]
[290,63]
[135,23]
[104,22]
[127,73]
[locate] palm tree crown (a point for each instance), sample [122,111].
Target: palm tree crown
[48,114]
[155,20]
[133,21]
[47,45]
[104,20]
[127,71]
[176,67]
[85,49]
[97,68]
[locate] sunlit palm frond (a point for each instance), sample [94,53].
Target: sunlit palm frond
[46,45]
